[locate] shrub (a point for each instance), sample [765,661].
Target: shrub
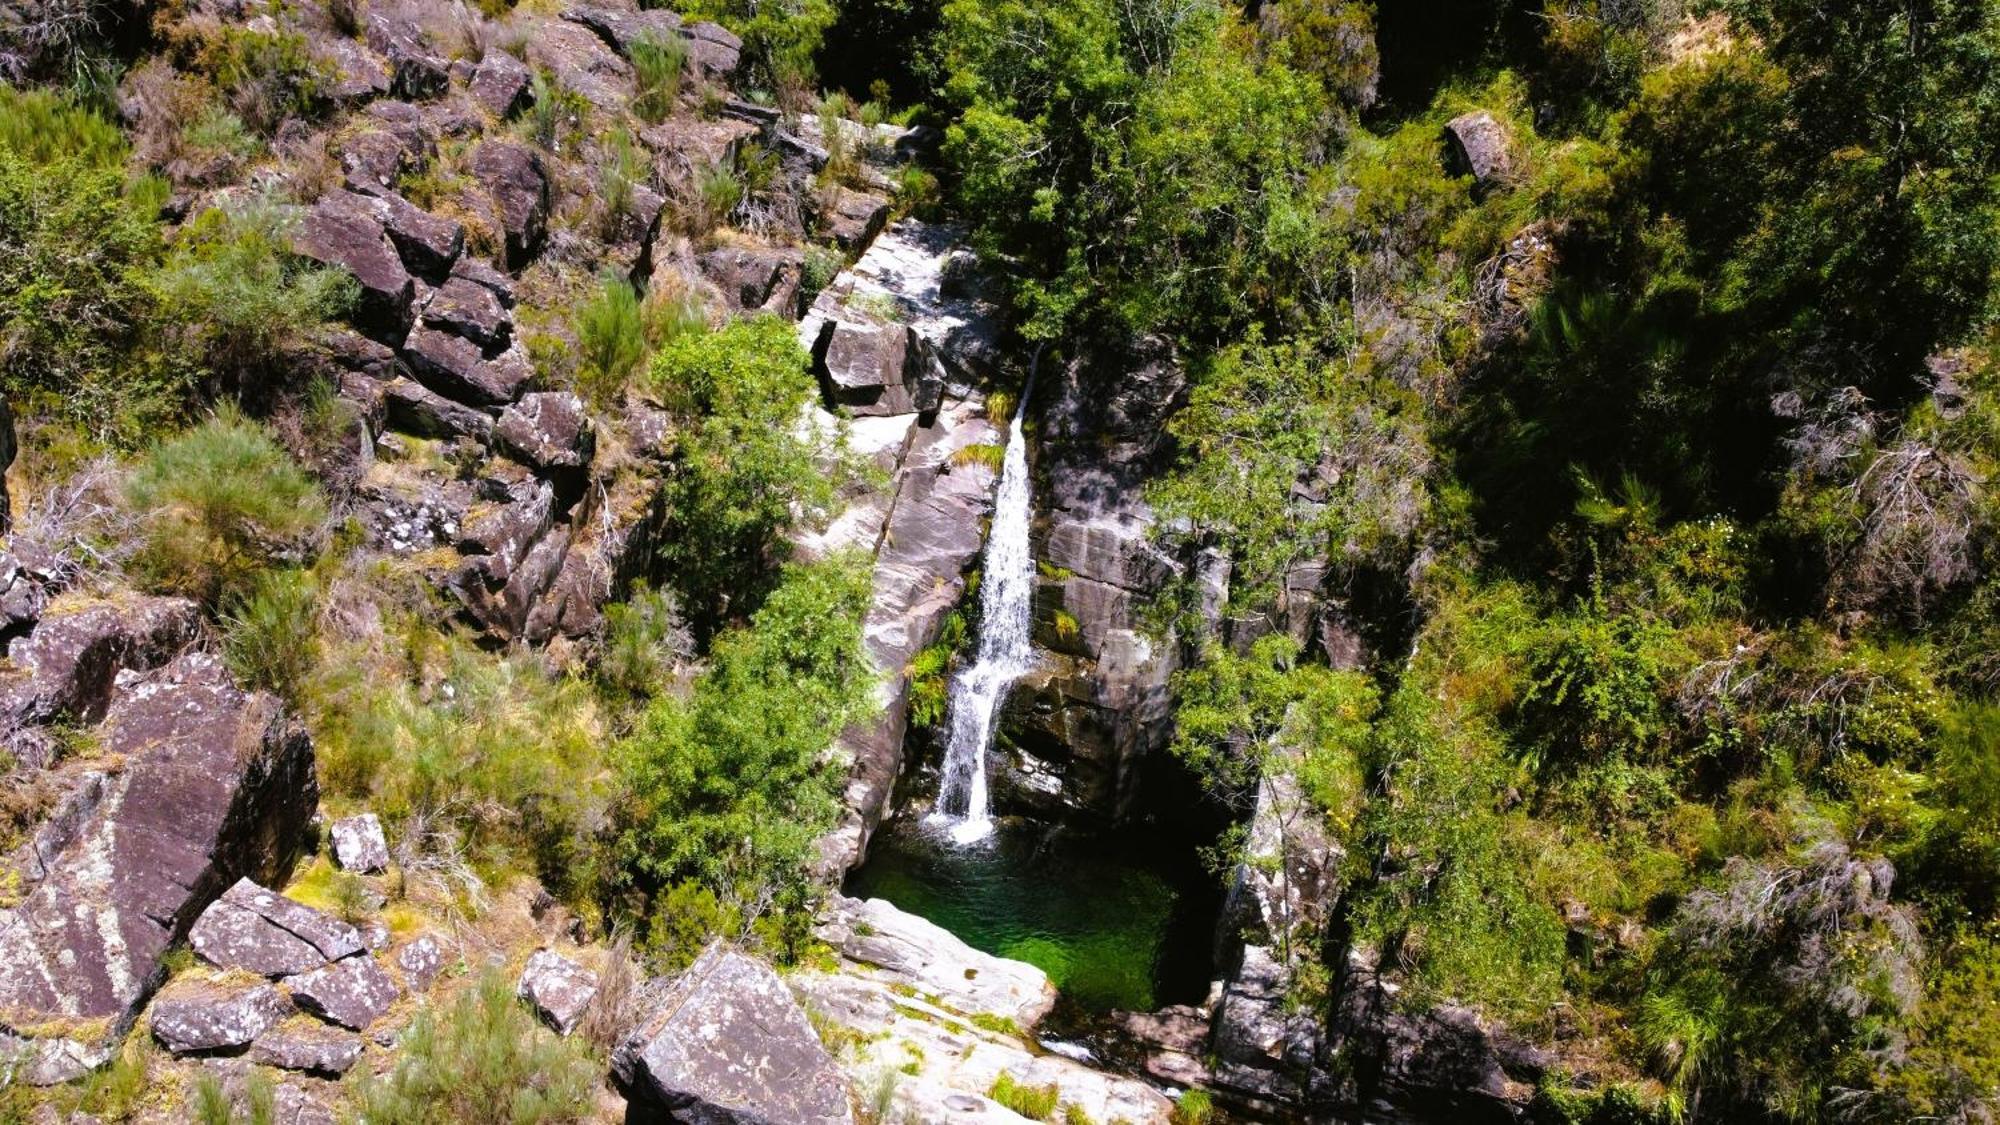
[556,114]
[235,293]
[731,785]
[482,1057]
[269,635]
[659,66]
[266,75]
[645,643]
[718,191]
[1036,1103]
[76,237]
[217,504]
[1194,1107]
[625,169]
[745,471]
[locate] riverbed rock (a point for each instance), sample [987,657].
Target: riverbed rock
[882,941]
[218,785]
[261,931]
[208,1016]
[726,1043]
[352,993]
[359,844]
[560,989]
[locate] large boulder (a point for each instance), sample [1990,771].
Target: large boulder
[513,177]
[466,308]
[884,942]
[324,1051]
[263,932]
[1480,148]
[217,785]
[67,666]
[417,69]
[429,244]
[416,409]
[727,1044]
[345,229]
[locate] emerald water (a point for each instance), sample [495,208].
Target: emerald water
[1118,920]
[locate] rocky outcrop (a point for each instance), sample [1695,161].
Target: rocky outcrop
[203,784]
[67,667]
[344,230]
[726,1043]
[515,180]
[883,943]
[953,1020]
[263,932]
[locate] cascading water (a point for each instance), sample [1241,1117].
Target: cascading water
[1005,653]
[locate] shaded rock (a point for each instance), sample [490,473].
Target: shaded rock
[485,276]
[466,308]
[512,176]
[323,1051]
[421,961]
[765,278]
[855,218]
[428,244]
[22,598]
[352,993]
[359,845]
[500,597]
[500,84]
[920,954]
[455,367]
[264,932]
[507,526]
[203,1016]
[343,229]
[416,70]
[1480,147]
[560,989]
[714,49]
[218,786]
[727,1044]
[67,666]
[550,431]
[416,409]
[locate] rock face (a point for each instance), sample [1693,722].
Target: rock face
[206,1017]
[67,666]
[560,989]
[262,931]
[727,1044]
[343,229]
[1480,147]
[359,845]
[217,785]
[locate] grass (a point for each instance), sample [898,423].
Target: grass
[1036,1103]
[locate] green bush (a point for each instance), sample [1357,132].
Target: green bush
[483,1057]
[611,340]
[1194,1107]
[235,296]
[745,471]
[77,237]
[1036,1103]
[644,644]
[269,634]
[217,504]
[267,75]
[731,785]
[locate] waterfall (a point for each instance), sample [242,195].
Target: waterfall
[1005,652]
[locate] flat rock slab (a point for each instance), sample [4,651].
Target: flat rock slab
[217,786]
[202,1016]
[352,993]
[253,928]
[560,989]
[359,845]
[923,955]
[728,1044]
[324,1051]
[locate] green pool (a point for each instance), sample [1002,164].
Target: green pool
[1118,920]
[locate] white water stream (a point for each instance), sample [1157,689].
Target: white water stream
[1005,653]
